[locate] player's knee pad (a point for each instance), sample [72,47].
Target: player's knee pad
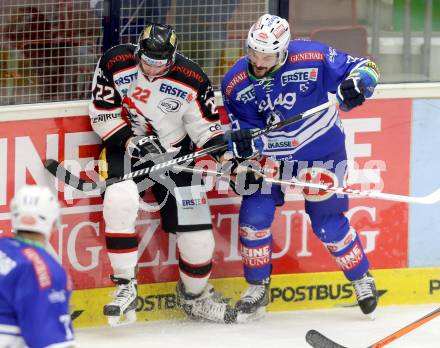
[257,214]
[256,253]
[121,204]
[196,247]
[329,228]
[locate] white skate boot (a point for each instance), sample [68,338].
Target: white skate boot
[208,306]
[252,304]
[122,310]
[366,294]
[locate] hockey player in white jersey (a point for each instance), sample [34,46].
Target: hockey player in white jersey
[34,288]
[149,100]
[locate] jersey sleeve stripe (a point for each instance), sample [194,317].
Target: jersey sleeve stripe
[125,69]
[105,109]
[213,135]
[202,114]
[9,329]
[113,130]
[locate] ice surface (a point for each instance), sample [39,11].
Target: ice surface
[347,326]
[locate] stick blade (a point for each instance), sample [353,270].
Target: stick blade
[56,169]
[52,165]
[432,198]
[318,340]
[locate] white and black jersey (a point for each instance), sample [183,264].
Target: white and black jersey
[179,107]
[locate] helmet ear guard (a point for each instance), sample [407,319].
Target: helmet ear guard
[270,34]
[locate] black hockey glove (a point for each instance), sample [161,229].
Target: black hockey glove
[350,93]
[145,148]
[242,178]
[242,144]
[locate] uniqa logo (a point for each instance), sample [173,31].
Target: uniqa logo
[169,105]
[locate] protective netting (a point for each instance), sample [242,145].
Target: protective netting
[49,48]
[210,32]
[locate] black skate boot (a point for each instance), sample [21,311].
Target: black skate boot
[252,303]
[124,303]
[208,306]
[366,293]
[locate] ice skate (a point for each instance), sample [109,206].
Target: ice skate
[208,306]
[122,310]
[252,304]
[366,294]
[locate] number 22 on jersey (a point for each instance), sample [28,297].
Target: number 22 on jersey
[141,94]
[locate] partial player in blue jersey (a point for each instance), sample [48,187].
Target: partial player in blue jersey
[277,79]
[34,288]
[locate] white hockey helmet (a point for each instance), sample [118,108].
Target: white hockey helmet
[35,209]
[270,34]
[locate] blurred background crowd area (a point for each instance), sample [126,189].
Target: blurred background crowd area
[49,48]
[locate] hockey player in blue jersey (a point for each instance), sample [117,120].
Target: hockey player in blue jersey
[277,79]
[34,287]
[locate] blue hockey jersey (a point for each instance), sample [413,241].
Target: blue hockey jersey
[34,297]
[312,70]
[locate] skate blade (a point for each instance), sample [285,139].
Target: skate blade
[372,315]
[247,317]
[126,319]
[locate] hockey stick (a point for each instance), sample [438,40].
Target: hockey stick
[61,173]
[318,340]
[431,198]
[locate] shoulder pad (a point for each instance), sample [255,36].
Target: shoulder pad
[188,71]
[118,58]
[237,74]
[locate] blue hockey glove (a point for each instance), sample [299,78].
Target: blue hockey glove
[145,148]
[242,144]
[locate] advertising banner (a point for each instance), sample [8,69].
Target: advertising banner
[378,140]
[303,291]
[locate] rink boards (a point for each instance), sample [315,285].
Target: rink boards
[288,292]
[378,138]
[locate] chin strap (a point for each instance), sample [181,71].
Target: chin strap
[282,61]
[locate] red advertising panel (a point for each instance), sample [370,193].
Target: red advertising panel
[378,136]
[378,142]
